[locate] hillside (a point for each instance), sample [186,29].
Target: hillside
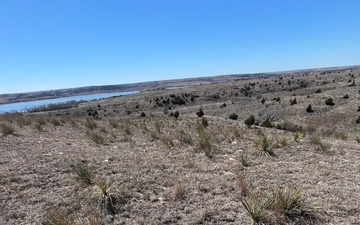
[152,158]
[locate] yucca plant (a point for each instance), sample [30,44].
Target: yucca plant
[263,145]
[256,206]
[105,195]
[244,161]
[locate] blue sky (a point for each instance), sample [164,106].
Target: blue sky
[70,43]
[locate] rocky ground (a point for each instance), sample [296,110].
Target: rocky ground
[157,168]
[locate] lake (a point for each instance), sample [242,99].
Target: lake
[23,106]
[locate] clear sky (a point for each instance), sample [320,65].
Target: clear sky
[52,44]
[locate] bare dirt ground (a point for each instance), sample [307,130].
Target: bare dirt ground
[189,170]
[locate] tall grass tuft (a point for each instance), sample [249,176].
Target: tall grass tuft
[263,145]
[7,129]
[83,174]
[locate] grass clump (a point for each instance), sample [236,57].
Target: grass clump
[83,174]
[263,145]
[185,137]
[289,205]
[95,137]
[205,141]
[7,129]
[90,124]
[58,217]
[244,161]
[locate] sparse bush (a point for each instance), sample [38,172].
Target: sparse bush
[298,135]
[341,135]
[204,122]
[250,121]
[233,116]
[55,122]
[7,129]
[329,101]
[179,192]
[357,139]
[358,109]
[114,123]
[142,114]
[346,96]
[168,141]
[242,183]
[83,174]
[284,142]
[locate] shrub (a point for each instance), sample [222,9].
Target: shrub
[200,113]
[250,121]
[318,91]
[83,174]
[242,183]
[346,96]
[142,114]
[309,109]
[176,114]
[293,102]
[233,116]
[7,129]
[329,101]
[358,109]
[357,120]
[266,123]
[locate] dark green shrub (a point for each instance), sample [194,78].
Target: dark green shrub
[250,121]
[346,96]
[358,120]
[309,109]
[358,109]
[293,102]
[176,114]
[233,116]
[329,101]
[318,91]
[142,114]
[267,123]
[200,113]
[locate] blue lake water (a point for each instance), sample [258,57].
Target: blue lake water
[23,106]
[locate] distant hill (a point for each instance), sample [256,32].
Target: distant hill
[176,83]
